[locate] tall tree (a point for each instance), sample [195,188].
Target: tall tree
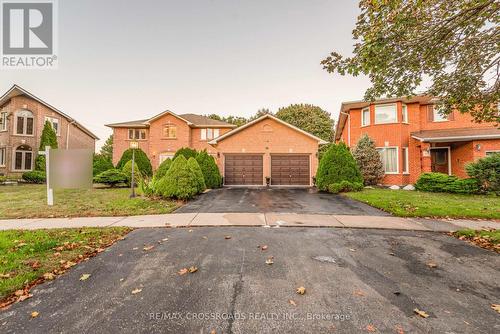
[236,120]
[107,148]
[309,118]
[48,138]
[368,159]
[456,44]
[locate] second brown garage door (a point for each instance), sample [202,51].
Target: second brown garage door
[243,169]
[290,170]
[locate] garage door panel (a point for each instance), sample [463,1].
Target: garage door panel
[243,169]
[290,169]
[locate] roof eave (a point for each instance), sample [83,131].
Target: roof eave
[455,138]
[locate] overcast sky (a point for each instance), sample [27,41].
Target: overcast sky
[126,60]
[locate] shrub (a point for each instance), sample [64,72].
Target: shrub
[344,186]
[368,160]
[141,159]
[163,169]
[100,164]
[194,167]
[179,182]
[210,171]
[146,187]
[36,176]
[487,172]
[127,170]
[439,182]
[111,177]
[337,165]
[48,138]
[186,152]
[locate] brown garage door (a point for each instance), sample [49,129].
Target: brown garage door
[290,169]
[243,169]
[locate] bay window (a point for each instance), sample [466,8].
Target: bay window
[385,113]
[389,156]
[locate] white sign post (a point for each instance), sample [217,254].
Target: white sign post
[50,192]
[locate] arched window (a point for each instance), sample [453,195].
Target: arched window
[24,123]
[23,158]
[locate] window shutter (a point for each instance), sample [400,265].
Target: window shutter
[430,113]
[203,134]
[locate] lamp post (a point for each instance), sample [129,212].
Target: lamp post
[133,146]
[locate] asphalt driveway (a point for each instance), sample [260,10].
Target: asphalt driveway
[355,280]
[283,200]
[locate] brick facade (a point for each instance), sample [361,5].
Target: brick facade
[70,134]
[399,134]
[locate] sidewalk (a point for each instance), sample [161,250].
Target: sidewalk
[252,219]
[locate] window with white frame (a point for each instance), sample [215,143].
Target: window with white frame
[209,134]
[54,122]
[169,131]
[492,152]
[406,163]
[165,156]
[385,113]
[24,123]
[365,116]
[404,113]
[3,121]
[389,156]
[3,156]
[136,134]
[23,158]
[438,116]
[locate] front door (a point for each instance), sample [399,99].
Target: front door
[440,160]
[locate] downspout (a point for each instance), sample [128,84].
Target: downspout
[67,133]
[348,127]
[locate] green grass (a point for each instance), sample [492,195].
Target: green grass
[30,201]
[425,204]
[25,256]
[492,236]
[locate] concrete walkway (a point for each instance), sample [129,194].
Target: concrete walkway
[252,219]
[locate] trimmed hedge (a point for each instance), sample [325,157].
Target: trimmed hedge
[487,171]
[36,176]
[163,169]
[179,182]
[211,173]
[100,164]
[111,177]
[337,165]
[345,186]
[439,182]
[196,170]
[127,170]
[186,152]
[141,159]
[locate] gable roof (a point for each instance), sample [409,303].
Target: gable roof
[16,90]
[249,124]
[192,120]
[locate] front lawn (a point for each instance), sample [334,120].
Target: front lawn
[425,204]
[30,201]
[29,257]
[485,239]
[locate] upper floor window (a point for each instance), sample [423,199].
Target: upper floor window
[436,114]
[385,113]
[365,116]
[170,131]
[209,134]
[389,156]
[404,113]
[24,123]
[136,134]
[3,121]
[54,122]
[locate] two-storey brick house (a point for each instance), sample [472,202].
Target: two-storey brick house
[413,137]
[22,118]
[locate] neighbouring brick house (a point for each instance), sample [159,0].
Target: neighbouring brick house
[266,148]
[22,117]
[413,137]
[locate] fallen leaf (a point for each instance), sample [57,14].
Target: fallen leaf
[135,248]
[392,254]
[359,293]
[122,279]
[193,269]
[263,247]
[292,302]
[213,331]
[421,313]
[24,297]
[432,265]
[56,254]
[183,271]
[19,293]
[371,328]
[34,314]
[136,291]
[34,264]
[190,231]
[164,239]
[49,276]
[205,237]
[270,260]
[301,290]
[84,277]
[399,329]
[5,275]
[227,237]
[496,307]
[352,249]
[147,248]
[21,244]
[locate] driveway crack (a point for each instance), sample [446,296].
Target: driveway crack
[237,290]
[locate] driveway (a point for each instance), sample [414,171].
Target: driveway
[283,200]
[355,280]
